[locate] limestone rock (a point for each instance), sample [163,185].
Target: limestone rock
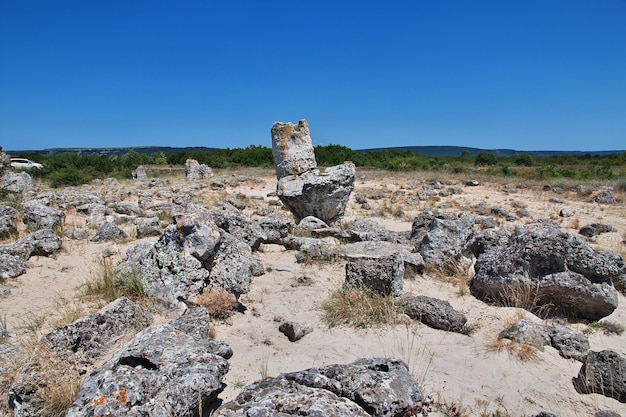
[197,171]
[40,243]
[139,174]
[108,231]
[87,339]
[292,149]
[527,332]
[16,182]
[383,275]
[603,373]
[150,226]
[433,312]
[8,219]
[605,197]
[367,387]
[161,372]
[570,343]
[554,267]
[38,216]
[323,195]
[11,266]
[294,331]
[446,239]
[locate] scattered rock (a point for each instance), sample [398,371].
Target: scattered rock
[87,339]
[436,313]
[605,197]
[446,239]
[595,229]
[40,243]
[16,182]
[294,331]
[150,226]
[8,219]
[11,266]
[603,373]
[108,231]
[139,174]
[37,216]
[527,332]
[570,343]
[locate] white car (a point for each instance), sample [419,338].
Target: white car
[23,163]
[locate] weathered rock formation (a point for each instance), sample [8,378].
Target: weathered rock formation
[292,149]
[197,171]
[552,268]
[433,312]
[192,254]
[323,195]
[162,372]
[301,187]
[603,373]
[367,387]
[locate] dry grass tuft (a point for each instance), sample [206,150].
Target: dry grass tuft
[522,351]
[107,287]
[218,303]
[56,384]
[359,308]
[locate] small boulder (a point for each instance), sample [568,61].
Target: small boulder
[108,231]
[570,343]
[197,171]
[603,373]
[382,275]
[605,197]
[433,312]
[527,332]
[11,266]
[294,331]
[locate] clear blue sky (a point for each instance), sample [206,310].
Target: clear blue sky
[527,75]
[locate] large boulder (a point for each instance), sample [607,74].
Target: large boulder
[367,387]
[16,182]
[292,149]
[229,218]
[603,373]
[553,269]
[323,195]
[38,216]
[40,243]
[161,372]
[192,254]
[445,240]
[89,338]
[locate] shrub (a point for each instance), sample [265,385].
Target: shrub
[218,303]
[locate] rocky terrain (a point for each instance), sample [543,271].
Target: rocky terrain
[508,294]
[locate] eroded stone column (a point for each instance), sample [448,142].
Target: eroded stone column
[292,148]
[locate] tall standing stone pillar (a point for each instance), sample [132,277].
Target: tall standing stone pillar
[292,148]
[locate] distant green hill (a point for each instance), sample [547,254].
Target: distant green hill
[421,150]
[458,151]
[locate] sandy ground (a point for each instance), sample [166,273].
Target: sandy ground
[454,369]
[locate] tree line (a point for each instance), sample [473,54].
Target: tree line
[74,169]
